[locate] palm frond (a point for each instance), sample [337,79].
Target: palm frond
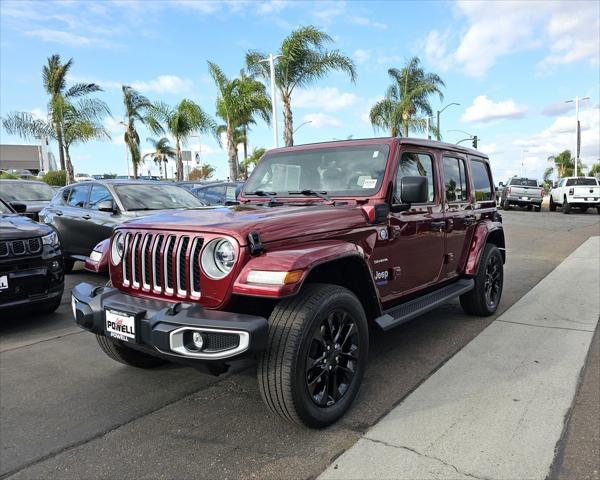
[81,89]
[26,126]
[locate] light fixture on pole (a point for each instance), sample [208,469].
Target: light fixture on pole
[523,152]
[302,124]
[438,133]
[271,61]
[577,128]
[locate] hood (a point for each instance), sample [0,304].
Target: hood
[272,223]
[13,227]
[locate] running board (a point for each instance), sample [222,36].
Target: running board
[407,311]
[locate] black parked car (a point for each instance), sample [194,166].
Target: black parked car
[31,262]
[35,195]
[85,213]
[218,193]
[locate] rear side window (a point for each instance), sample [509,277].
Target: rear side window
[79,196]
[97,195]
[573,182]
[482,184]
[416,165]
[455,179]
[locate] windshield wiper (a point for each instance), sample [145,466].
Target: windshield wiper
[322,195]
[262,193]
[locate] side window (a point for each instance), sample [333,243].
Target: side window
[65,195]
[79,196]
[481,181]
[97,195]
[416,165]
[455,182]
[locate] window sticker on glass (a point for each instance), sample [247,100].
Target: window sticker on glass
[286,177]
[369,183]
[375,153]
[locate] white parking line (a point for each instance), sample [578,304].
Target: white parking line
[496,410]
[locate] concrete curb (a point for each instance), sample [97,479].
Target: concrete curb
[495,410]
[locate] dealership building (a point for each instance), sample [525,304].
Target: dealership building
[27,157]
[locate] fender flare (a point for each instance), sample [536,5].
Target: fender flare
[287,259]
[480,237]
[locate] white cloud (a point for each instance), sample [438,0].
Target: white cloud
[364,21]
[59,36]
[485,110]
[164,84]
[329,11]
[320,120]
[567,31]
[327,98]
[557,108]
[116,130]
[388,59]
[38,114]
[361,55]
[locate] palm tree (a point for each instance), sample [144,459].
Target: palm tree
[564,163]
[161,153]
[407,97]
[252,160]
[239,100]
[54,75]
[594,170]
[203,172]
[137,108]
[303,60]
[180,122]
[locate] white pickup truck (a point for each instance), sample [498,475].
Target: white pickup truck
[578,192]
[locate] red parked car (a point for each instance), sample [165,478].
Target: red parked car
[328,241]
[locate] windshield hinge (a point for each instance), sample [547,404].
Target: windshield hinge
[254,244]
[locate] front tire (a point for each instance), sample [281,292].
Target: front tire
[552,205]
[483,300]
[530,207]
[68,265]
[566,207]
[128,356]
[316,356]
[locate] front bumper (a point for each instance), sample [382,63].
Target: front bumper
[162,327]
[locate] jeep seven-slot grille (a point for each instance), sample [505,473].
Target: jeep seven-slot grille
[20,247]
[163,263]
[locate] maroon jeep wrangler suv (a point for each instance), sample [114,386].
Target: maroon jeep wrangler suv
[327,242]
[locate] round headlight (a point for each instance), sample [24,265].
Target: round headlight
[218,258]
[116,249]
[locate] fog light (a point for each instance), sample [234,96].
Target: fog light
[55,265]
[197,340]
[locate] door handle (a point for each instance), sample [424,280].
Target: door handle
[59,213]
[469,219]
[86,217]
[438,226]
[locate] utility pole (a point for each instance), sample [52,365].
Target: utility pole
[577,128]
[271,61]
[438,134]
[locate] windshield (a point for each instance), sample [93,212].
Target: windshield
[339,171]
[155,197]
[26,191]
[524,182]
[574,182]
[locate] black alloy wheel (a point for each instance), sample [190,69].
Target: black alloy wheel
[493,281]
[332,358]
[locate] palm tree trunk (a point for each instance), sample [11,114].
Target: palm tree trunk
[288,122]
[179,161]
[165,169]
[135,167]
[232,153]
[69,166]
[245,142]
[61,147]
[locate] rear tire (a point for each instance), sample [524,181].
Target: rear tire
[316,355]
[530,207]
[552,205]
[566,207]
[583,209]
[128,356]
[483,300]
[505,205]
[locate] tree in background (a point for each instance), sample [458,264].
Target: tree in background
[594,170]
[180,122]
[137,108]
[564,164]
[303,60]
[252,160]
[406,101]
[161,153]
[204,172]
[238,101]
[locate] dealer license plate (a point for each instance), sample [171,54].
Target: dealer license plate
[120,325]
[4,282]
[524,198]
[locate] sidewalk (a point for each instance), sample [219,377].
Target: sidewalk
[496,410]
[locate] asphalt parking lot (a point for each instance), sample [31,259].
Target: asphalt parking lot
[68,411]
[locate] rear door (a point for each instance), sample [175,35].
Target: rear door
[73,233]
[414,255]
[484,204]
[458,211]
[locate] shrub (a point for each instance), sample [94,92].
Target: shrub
[56,178]
[7,176]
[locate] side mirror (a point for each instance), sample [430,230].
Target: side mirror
[412,190]
[18,207]
[107,206]
[500,184]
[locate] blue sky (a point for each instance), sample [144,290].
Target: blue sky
[509,65]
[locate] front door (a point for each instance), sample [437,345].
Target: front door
[415,251]
[458,212]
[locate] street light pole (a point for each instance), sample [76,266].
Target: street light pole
[438,134]
[302,124]
[577,130]
[523,159]
[271,61]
